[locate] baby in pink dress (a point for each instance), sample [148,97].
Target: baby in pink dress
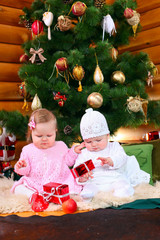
[45,159]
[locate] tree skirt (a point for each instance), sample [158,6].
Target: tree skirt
[11,203]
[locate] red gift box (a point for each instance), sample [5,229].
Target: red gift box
[56,192]
[82,168]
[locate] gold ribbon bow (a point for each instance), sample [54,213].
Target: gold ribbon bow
[39,52]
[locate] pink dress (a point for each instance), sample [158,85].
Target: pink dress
[47,165]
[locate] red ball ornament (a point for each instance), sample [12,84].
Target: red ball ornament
[128,13]
[79,8]
[37,27]
[24,58]
[69,206]
[61,64]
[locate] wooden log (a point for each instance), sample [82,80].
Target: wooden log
[9,72]
[145,5]
[9,91]
[150,19]
[15,106]
[154,92]
[10,53]
[16,3]
[148,38]
[153,53]
[10,16]
[13,34]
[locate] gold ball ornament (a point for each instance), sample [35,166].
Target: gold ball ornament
[98,75]
[95,100]
[118,77]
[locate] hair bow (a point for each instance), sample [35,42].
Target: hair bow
[32,124]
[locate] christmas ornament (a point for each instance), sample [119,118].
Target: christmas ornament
[48,19]
[118,77]
[114,54]
[145,109]
[98,75]
[69,206]
[67,130]
[61,98]
[134,104]
[78,8]
[95,100]
[62,66]
[37,27]
[23,93]
[38,203]
[134,21]
[37,52]
[108,26]
[154,135]
[36,103]
[154,69]
[99,3]
[24,58]
[78,74]
[150,79]
[128,13]
[64,23]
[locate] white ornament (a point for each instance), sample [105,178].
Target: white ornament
[48,19]
[36,103]
[108,25]
[98,75]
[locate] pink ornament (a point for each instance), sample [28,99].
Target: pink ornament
[79,8]
[37,27]
[61,64]
[128,13]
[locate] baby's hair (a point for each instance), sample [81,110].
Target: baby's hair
[41,115]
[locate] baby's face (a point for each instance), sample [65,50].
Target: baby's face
[97,143]
[44,135]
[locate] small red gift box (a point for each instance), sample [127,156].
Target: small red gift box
[82,168]
[56,192]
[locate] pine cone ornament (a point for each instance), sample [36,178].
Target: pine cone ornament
[99,3]
[67,130]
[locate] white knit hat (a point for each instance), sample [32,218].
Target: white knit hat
[93,124]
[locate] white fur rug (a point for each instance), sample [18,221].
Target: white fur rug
[10,203]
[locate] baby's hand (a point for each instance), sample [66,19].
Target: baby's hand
[107,160]
[21,164]
[85,177]
[79,147]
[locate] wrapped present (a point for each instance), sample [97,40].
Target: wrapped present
[82,168]
[56,192]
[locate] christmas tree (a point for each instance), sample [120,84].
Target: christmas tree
[74,64]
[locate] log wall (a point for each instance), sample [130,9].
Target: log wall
[14,34]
